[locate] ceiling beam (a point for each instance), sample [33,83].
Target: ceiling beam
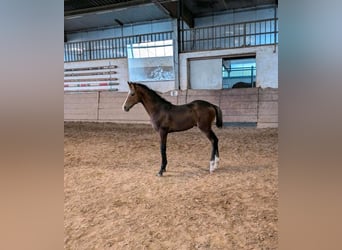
[187,16]
[105,7]
[174,8]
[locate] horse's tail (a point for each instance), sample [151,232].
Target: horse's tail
[218,116]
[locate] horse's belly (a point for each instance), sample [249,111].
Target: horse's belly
[182,123]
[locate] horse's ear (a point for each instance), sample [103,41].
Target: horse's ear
[130,85]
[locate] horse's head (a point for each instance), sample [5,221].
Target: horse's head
[133,97]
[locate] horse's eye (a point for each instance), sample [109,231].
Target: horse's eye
[132,94]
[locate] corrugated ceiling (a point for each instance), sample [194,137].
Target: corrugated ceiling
[83,15]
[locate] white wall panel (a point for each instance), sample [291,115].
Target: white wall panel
[206,74]
[266,57]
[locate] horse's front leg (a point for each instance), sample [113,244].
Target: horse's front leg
[163,139]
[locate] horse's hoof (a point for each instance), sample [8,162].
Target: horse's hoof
[160,174]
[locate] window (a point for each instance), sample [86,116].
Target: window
[151,61]
[238,72]
[150,49]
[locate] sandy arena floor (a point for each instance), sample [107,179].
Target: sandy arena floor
[114,200]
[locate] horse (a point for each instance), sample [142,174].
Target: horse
[167,118]
[239,85]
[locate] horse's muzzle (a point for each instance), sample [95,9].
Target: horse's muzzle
[126,108]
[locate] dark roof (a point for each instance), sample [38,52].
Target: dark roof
[81,14]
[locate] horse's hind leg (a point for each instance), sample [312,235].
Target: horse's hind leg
[214,159]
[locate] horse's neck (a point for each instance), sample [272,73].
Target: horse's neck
[149,102]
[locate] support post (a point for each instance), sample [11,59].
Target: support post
[175,52]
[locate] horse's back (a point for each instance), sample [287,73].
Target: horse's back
[205,112]
[202,105]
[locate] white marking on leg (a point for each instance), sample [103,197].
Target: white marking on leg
[212,166]
[216,163]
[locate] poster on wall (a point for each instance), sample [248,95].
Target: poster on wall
[151,61]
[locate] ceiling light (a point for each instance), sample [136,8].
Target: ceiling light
[73,17]
[103,12]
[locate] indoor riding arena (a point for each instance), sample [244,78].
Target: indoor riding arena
[222,52]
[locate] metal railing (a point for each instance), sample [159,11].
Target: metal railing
[108,48]
[244,34]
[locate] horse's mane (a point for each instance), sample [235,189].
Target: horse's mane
[155,96]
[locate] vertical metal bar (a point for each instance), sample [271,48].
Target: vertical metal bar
[66,52]
[254,33]
[244,35]
[214,37]
[120,46]
[204,32]
[71,52]
[210,38]
[249,33]
[95,50]
[124,46]
[74,51]
[123,42]
[84,56]
[103,46]
[265,33]
[105,51]
[224,34]
[78,51]
[275,29]
[116,48]
[98,46]
[229,36]
[89,50]
[100,49]
[259,33]
[110,49]
[252,76]
[106,48]
[191,35]
[198,39]
[203,37]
